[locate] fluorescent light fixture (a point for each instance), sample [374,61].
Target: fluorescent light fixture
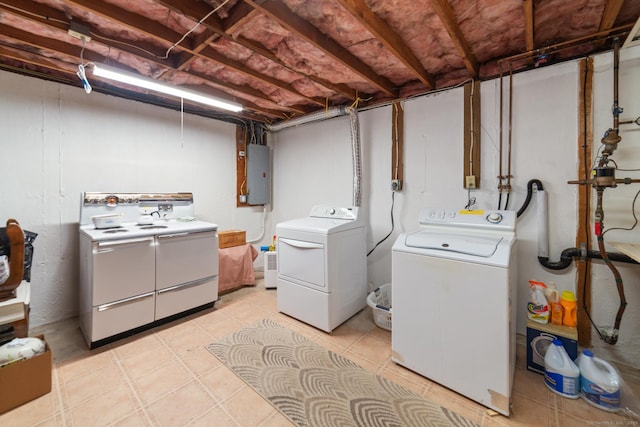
[147,83]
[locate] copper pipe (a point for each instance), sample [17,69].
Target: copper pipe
[599,231]
[628,122]
[618,181]
[612,136]
[616,68]
[624,29]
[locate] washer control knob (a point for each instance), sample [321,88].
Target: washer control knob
[494,217]
[332,211]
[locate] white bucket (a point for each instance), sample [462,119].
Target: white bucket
[599,382]
[561,375]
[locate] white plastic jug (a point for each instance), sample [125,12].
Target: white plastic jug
[599,382]
[561,375]
[551,293]
[538,307]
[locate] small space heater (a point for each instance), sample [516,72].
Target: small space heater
[270,269]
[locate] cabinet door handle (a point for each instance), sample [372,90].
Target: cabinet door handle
[125,301]
[108,246]
[169,236]
[301,244]
[186,285]
[194,234]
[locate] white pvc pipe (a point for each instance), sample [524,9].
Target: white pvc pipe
[543,224]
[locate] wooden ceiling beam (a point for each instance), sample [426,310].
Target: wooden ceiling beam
[33,59]
[528,25]
[448,18]
[212,55]
[610,14]
[134,22]
[64,49]
[240,13]
[161,33]
[279,12]
[389,38]
[57,20]
[214,25]
[27,57]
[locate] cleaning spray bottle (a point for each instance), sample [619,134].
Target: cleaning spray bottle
[538,306]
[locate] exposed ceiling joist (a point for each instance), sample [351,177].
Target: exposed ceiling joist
[278,11]
[216,27]
[170,38]
[528,24]
[443,9]
[611,11]
[392,41]
[30,10]
[280,58]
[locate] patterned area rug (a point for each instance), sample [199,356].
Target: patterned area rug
[313,386]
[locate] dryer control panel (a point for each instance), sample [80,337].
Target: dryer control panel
[479,219]
[325,211]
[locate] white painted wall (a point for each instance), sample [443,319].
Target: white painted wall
[312,164]
[58,141]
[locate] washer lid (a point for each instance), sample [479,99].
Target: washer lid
[320,225]
[470,245]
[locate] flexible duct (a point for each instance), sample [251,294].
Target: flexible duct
[308,118]
[355,138]
[355,154]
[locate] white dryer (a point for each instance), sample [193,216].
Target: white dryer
[454,290]
[322,266]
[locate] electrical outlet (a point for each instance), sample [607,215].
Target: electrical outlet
[396,185]
[470,181]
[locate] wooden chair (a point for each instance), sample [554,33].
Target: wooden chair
[16,260]
[15,235]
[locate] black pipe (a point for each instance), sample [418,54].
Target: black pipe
[568,254]
[529,193]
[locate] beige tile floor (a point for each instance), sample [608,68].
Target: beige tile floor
[166,377]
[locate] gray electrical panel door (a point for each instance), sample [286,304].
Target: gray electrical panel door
[258,174]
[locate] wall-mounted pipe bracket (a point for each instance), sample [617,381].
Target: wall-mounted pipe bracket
[583,251]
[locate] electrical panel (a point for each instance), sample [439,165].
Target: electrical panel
[258,174]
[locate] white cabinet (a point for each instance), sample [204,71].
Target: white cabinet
[186,271]
[132,283]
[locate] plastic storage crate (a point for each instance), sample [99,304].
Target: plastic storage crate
[380,302]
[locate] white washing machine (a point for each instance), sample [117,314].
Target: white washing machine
[454,290]
[322,266]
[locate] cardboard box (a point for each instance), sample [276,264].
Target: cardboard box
[539,338]
[25,380]
[229,238]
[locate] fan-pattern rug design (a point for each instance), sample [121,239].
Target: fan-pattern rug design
[313,386]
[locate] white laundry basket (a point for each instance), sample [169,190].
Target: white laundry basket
[380,302]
